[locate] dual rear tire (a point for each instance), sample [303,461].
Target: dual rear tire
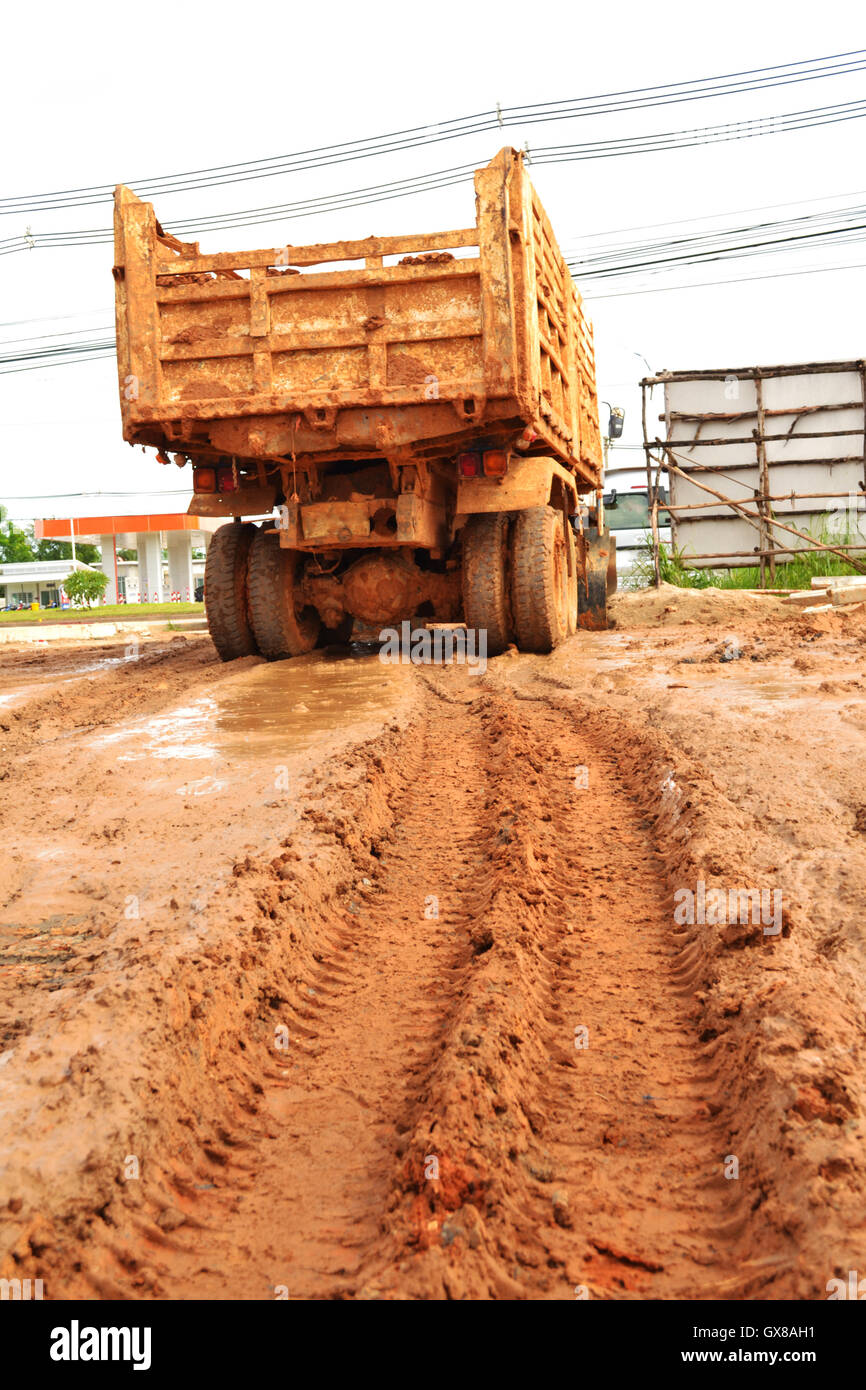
[519,584]
[252,596]
[226,598]
[283,625]
[520,578]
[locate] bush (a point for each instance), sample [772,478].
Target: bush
[85,586]
[672,568]
[790,574]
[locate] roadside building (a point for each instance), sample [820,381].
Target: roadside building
[36,581]
[164,545]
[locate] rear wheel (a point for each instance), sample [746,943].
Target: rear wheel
[225,590]
[283,625]
[572,578]
[540,597]
[486,605]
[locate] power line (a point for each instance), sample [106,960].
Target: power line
[43,337]
[838,227]
[598,238]
[444,178]
[739,280]
[64,496]
[641,98]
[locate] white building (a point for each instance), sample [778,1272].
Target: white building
[36,581]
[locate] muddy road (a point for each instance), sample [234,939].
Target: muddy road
[336,979]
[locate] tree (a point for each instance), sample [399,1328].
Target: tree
[15,546]
[62,550]
[85,586]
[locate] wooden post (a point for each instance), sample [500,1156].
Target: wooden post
[649,485]
[764,507]
[757,520]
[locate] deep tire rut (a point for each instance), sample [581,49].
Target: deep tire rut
[440,1124]
[364,1030]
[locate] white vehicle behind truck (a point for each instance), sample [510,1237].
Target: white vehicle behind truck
[627,514]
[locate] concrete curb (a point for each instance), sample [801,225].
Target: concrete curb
[78,632]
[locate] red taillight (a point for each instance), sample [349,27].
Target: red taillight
[469,465]
[495,463]
[227,481]
[204,480]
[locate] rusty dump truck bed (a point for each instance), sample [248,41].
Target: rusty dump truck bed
[415,346]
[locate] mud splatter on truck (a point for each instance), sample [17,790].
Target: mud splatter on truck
[420,412]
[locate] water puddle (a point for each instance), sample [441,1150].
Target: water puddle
[741,686]
[291,704]
[57,675]
[278,710]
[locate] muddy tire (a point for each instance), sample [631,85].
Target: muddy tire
[282,627]
[571,624]
[486,598]
[539,592]
[225,590]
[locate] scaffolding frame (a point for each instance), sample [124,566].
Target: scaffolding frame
[664,453]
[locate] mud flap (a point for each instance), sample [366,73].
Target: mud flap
[596,563]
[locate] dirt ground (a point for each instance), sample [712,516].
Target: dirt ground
[336,979]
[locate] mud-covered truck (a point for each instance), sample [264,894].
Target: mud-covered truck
[415,417]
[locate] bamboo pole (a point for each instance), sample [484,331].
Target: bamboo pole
[756,519]
[654,521]
[765,480]
[689,560]
[697,443]
[782,410]
[749,373]
[739,467]
[774,497]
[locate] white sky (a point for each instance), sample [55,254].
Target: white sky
[102,94]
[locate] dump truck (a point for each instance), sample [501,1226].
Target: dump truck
[411,422]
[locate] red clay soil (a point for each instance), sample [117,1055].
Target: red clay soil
[427,1027]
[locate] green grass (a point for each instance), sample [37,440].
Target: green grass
[790,574]
[672,569]
[130,611]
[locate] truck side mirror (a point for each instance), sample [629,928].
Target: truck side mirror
[615,422]
[609,499]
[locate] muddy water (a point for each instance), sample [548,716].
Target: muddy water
[613,658]
[280,710]
[290,705]
[55,676]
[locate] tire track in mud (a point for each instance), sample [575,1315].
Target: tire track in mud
[597,1166]
[634,1151]
[364,1027]
[432,1130]
[435,1131]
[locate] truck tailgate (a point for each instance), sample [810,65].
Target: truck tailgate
[367,346]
